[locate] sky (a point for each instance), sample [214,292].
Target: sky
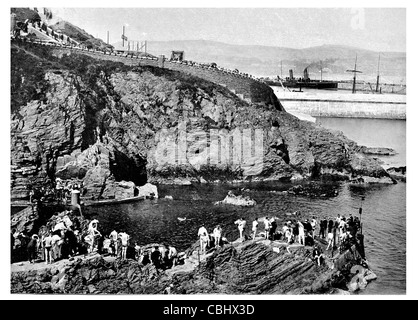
[378,29]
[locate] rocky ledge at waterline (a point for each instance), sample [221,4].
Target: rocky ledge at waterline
[250,267]
[104,122]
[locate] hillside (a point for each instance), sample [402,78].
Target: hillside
[80,35]
[265,60]
[65,27]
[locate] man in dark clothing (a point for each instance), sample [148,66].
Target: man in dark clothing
[322,228]
[155,257]
[317,255]
[32,248]
[330,226]
[308,226]
[273,228]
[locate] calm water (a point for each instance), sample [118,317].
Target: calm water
[373,133]
[384,208]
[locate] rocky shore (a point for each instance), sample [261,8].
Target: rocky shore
[249,267]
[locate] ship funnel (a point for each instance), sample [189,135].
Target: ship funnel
[291,74]
[305,74]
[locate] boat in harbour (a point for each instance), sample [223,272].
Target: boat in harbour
[112,201]
[305,82]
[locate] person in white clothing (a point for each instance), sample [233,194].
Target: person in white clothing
[241,226]
[254,228]
[203,237]
[301,235]
[217,233]
[93,233]
[313,224]
[124,237]
[172,255]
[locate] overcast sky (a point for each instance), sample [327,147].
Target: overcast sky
[379,29]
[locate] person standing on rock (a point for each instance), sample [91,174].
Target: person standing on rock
[301,234]
[172,255]
[203,238]
[124,237]
[322,228]
[313,225]
[241,226]
[254,227]
[273,228]
[217,233]
[93,234]
[156,257]
[48,248]
[32,248]
[114,242]
[267,226]
[330,234]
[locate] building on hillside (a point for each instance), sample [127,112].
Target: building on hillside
[177,56]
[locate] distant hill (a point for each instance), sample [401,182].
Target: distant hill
[265,60]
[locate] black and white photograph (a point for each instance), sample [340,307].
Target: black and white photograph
[207,151]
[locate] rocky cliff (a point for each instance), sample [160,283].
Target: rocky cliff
[100,121]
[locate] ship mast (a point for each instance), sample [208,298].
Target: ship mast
[321,70]
[355,71]
[378,74]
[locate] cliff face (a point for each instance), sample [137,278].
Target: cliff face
[101,121]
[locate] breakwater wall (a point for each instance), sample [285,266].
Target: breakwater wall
[345,105]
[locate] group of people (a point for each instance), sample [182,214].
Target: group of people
[61,191]
[209,240]
[64,188]
[300,231]
[161,256]
[62,240]
[66,239]
[116,244]
[341,231]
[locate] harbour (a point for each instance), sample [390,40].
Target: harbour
[179,167]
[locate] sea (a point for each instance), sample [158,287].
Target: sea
[383,206]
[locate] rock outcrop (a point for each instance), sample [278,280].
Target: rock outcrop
[105,122]
[260,267]
[237,200]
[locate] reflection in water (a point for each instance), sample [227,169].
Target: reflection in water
[384,219]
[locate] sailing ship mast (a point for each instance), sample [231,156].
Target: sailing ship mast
[355,71]
[378,75]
